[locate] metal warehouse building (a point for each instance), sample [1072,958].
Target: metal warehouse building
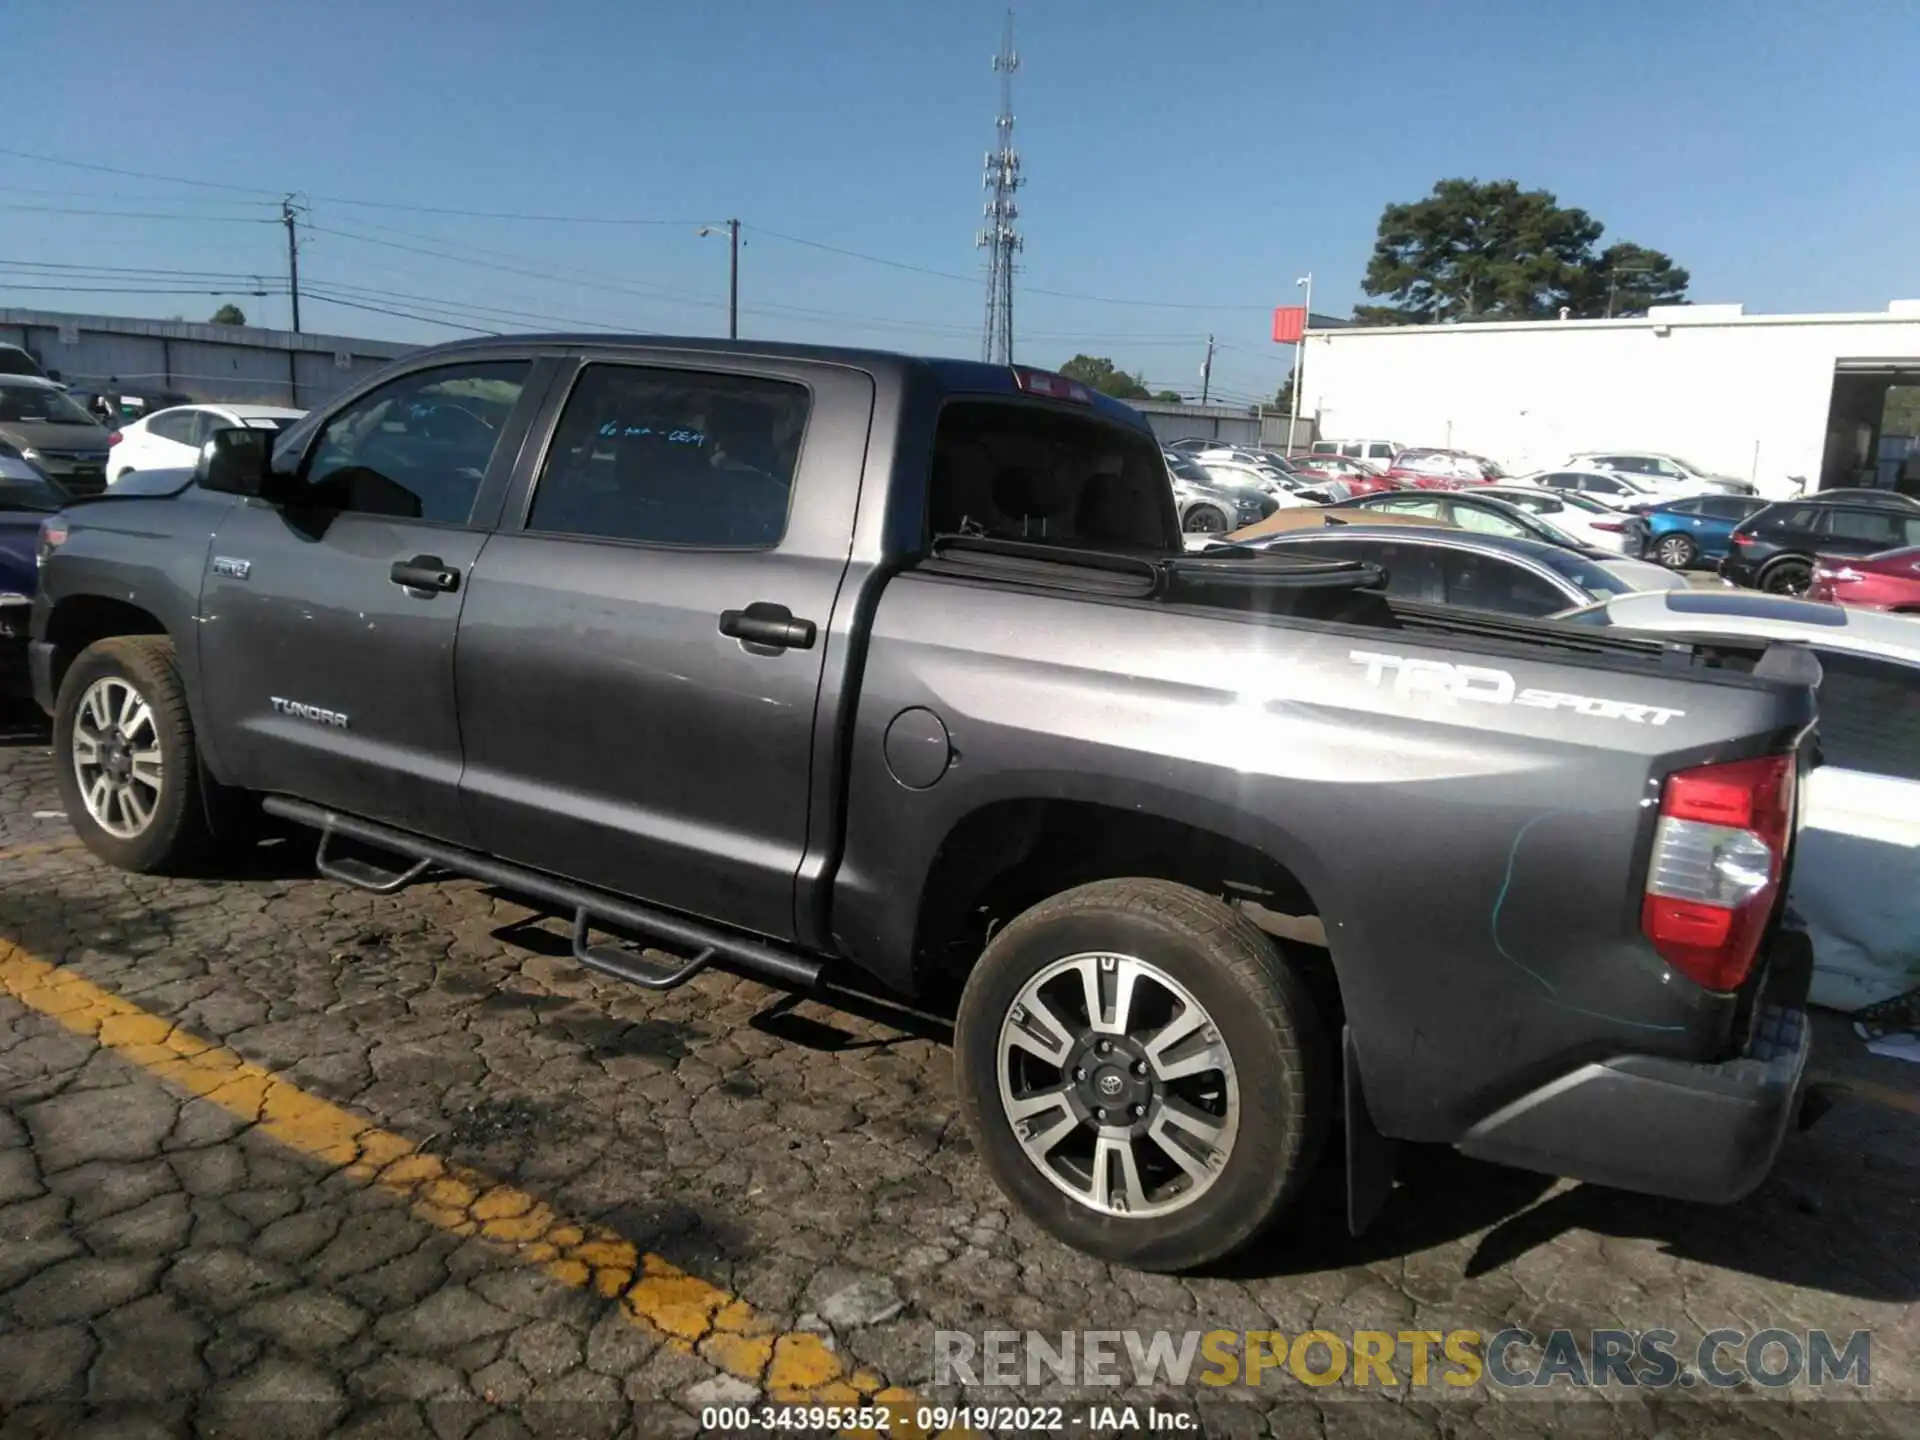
[241,363]
[1774,399]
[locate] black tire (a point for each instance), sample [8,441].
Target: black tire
[1263,1014]
[1205,520]
[1676,552]
[177,835]
[1791,576]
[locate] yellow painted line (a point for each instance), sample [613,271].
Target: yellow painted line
[687,1312]
[40,847]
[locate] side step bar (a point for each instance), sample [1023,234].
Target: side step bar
[707,942]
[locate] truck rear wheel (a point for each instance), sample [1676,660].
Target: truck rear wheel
[125,757]
[1142,1073]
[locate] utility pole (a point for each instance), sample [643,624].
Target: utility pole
[293,258]
[1206,372]
[999,238]
[733,279]
[733,274]
[1299,362]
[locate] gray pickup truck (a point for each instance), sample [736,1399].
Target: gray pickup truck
[807,661]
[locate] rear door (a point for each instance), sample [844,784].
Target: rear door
[642,646]
[327,634]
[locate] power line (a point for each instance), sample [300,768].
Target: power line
[137,174]
[405,314]
[144,215]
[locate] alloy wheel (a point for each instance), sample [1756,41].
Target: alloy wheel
[1118,1084]
[116,757]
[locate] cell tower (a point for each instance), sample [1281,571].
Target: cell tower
[999,238]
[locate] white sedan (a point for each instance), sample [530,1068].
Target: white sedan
[171,439]
[1856,875]
[1610,488]
[1571,513]
[1233,475]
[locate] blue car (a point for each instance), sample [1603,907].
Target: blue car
[26,498]
[1694,531]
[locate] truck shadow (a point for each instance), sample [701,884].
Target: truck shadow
[1831,1219]
[22,724]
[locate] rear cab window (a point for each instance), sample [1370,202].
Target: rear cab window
[1031,472]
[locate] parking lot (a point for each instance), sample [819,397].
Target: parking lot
[279,1156]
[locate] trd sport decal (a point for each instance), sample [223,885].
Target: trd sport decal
[1414,676]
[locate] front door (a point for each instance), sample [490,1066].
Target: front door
[327,635]
[640,657]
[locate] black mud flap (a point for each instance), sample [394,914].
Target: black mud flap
[1372,1159]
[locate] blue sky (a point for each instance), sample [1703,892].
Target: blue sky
[1192,160]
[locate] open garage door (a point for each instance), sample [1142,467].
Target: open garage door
[1873,425]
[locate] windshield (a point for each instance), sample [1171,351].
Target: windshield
[24,488]
[40,405]
[268,422]
[1188,470]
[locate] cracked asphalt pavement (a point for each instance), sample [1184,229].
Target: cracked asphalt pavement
[282,1157]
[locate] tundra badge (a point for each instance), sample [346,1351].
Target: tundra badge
[314,713]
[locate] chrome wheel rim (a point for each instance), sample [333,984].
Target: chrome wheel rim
[116,757]
[1118,1085]
[1673,553]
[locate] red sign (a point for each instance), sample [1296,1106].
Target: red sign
[1289,324]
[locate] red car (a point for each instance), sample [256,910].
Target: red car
[1443,469]
[1358,476]
[1887,581]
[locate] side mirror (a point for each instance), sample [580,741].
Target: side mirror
[235,461]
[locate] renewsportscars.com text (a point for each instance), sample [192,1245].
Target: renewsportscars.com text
[1387,1359]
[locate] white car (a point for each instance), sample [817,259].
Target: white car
[1856,876]
[1236,476]
[1571,513]
[1610,488]
[1668,474]
[171,439]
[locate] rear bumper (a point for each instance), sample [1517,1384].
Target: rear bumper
[1691,1131]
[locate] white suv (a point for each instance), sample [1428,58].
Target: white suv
[1381,451]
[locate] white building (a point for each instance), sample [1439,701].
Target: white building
[1767,398]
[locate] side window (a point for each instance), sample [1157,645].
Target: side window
[1408,505]
[1413,571]
[1561,481]
[1793,517]
[178,427]
[1380,452]
[1601,485]
[419,446]
[1866,527]
[1870,715]
[1351,451]
[673,457]
[1486,582]
[1695,506]
[1486,522]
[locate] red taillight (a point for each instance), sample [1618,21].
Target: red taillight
[1051,385]
[113,439]
[1737,539]
[1718,854]
[1610,525]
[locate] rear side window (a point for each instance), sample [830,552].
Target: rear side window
[1601,485]
[1351,451]
[177,425]
[1725,507]
[1487,522]
[1880,528]
[1487,582]
[673,457]
[1380,452]
[1695,506]
[1028,472]
[1870,715]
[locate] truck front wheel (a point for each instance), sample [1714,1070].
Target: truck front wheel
[1142,1073]
[125,758]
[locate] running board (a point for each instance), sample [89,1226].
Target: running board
[706,942]
[363,874]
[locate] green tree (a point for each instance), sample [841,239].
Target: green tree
[1283,397]
[1098,372]
[1488,250]
[1172,397]
[228,314]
